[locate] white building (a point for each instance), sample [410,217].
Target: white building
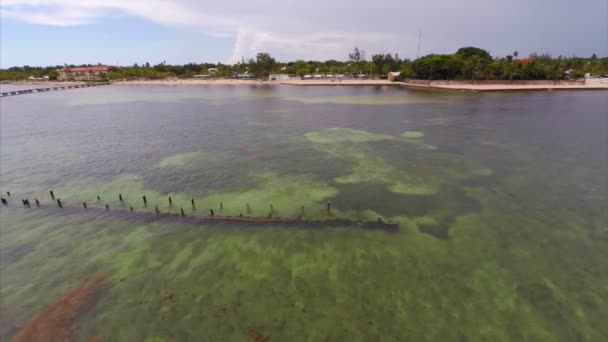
[392,76]
[278,77]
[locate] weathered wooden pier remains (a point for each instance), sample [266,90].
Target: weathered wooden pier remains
[211,218]
[47,89]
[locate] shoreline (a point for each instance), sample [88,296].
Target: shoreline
[480,86]
[48,83]
[293,82]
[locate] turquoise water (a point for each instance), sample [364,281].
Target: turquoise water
[501,201]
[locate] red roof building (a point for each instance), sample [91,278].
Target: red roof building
[92,73]
[96,68]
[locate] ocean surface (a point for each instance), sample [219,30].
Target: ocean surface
[501,201]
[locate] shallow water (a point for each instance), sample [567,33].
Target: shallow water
[501,201]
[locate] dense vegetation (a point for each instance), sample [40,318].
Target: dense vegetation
[467,63]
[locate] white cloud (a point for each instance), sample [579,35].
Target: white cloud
[323,29]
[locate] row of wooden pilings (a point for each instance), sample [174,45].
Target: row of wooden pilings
[212,217]
[43,90]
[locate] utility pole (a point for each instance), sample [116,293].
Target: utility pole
[419,39]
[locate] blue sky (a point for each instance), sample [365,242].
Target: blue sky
[114,40]
[52,32]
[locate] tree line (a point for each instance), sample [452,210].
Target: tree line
[468,63]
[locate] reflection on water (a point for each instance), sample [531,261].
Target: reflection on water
[500,198]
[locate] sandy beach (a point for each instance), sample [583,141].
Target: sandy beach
[186,82]
[478,86]
[594,84]
[299,82]
[294,82]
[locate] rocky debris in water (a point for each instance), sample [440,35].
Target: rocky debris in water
[256,336]
[55,323]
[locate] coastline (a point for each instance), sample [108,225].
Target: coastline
[439,85]
[490,86]
[293,82]
[42,83]
[479,86]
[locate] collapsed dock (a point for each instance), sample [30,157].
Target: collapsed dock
[47,89]
[196,219]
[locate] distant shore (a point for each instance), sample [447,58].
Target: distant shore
[43,83]
[478,86]
[475,86]
[489,86]
[295,82]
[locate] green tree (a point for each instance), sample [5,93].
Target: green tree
[468,52]
[474,67]
[436,67]
[357,55]
[378,61]
[263,65]
[301,68]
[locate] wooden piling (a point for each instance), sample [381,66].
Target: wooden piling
[131,209]
[156,210]
[52,195]
[37,202]
[8,193]
[84,205]
[145,200]
[59,203]
[193,204]
[120,198]
[107,207]
[170,201]
[98,198]
[4,201]
[182,212]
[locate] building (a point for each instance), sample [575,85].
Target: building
[43,78]
[392,76]
[92,73]
[278,77]
[246,75]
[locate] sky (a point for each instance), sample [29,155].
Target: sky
[124,32]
